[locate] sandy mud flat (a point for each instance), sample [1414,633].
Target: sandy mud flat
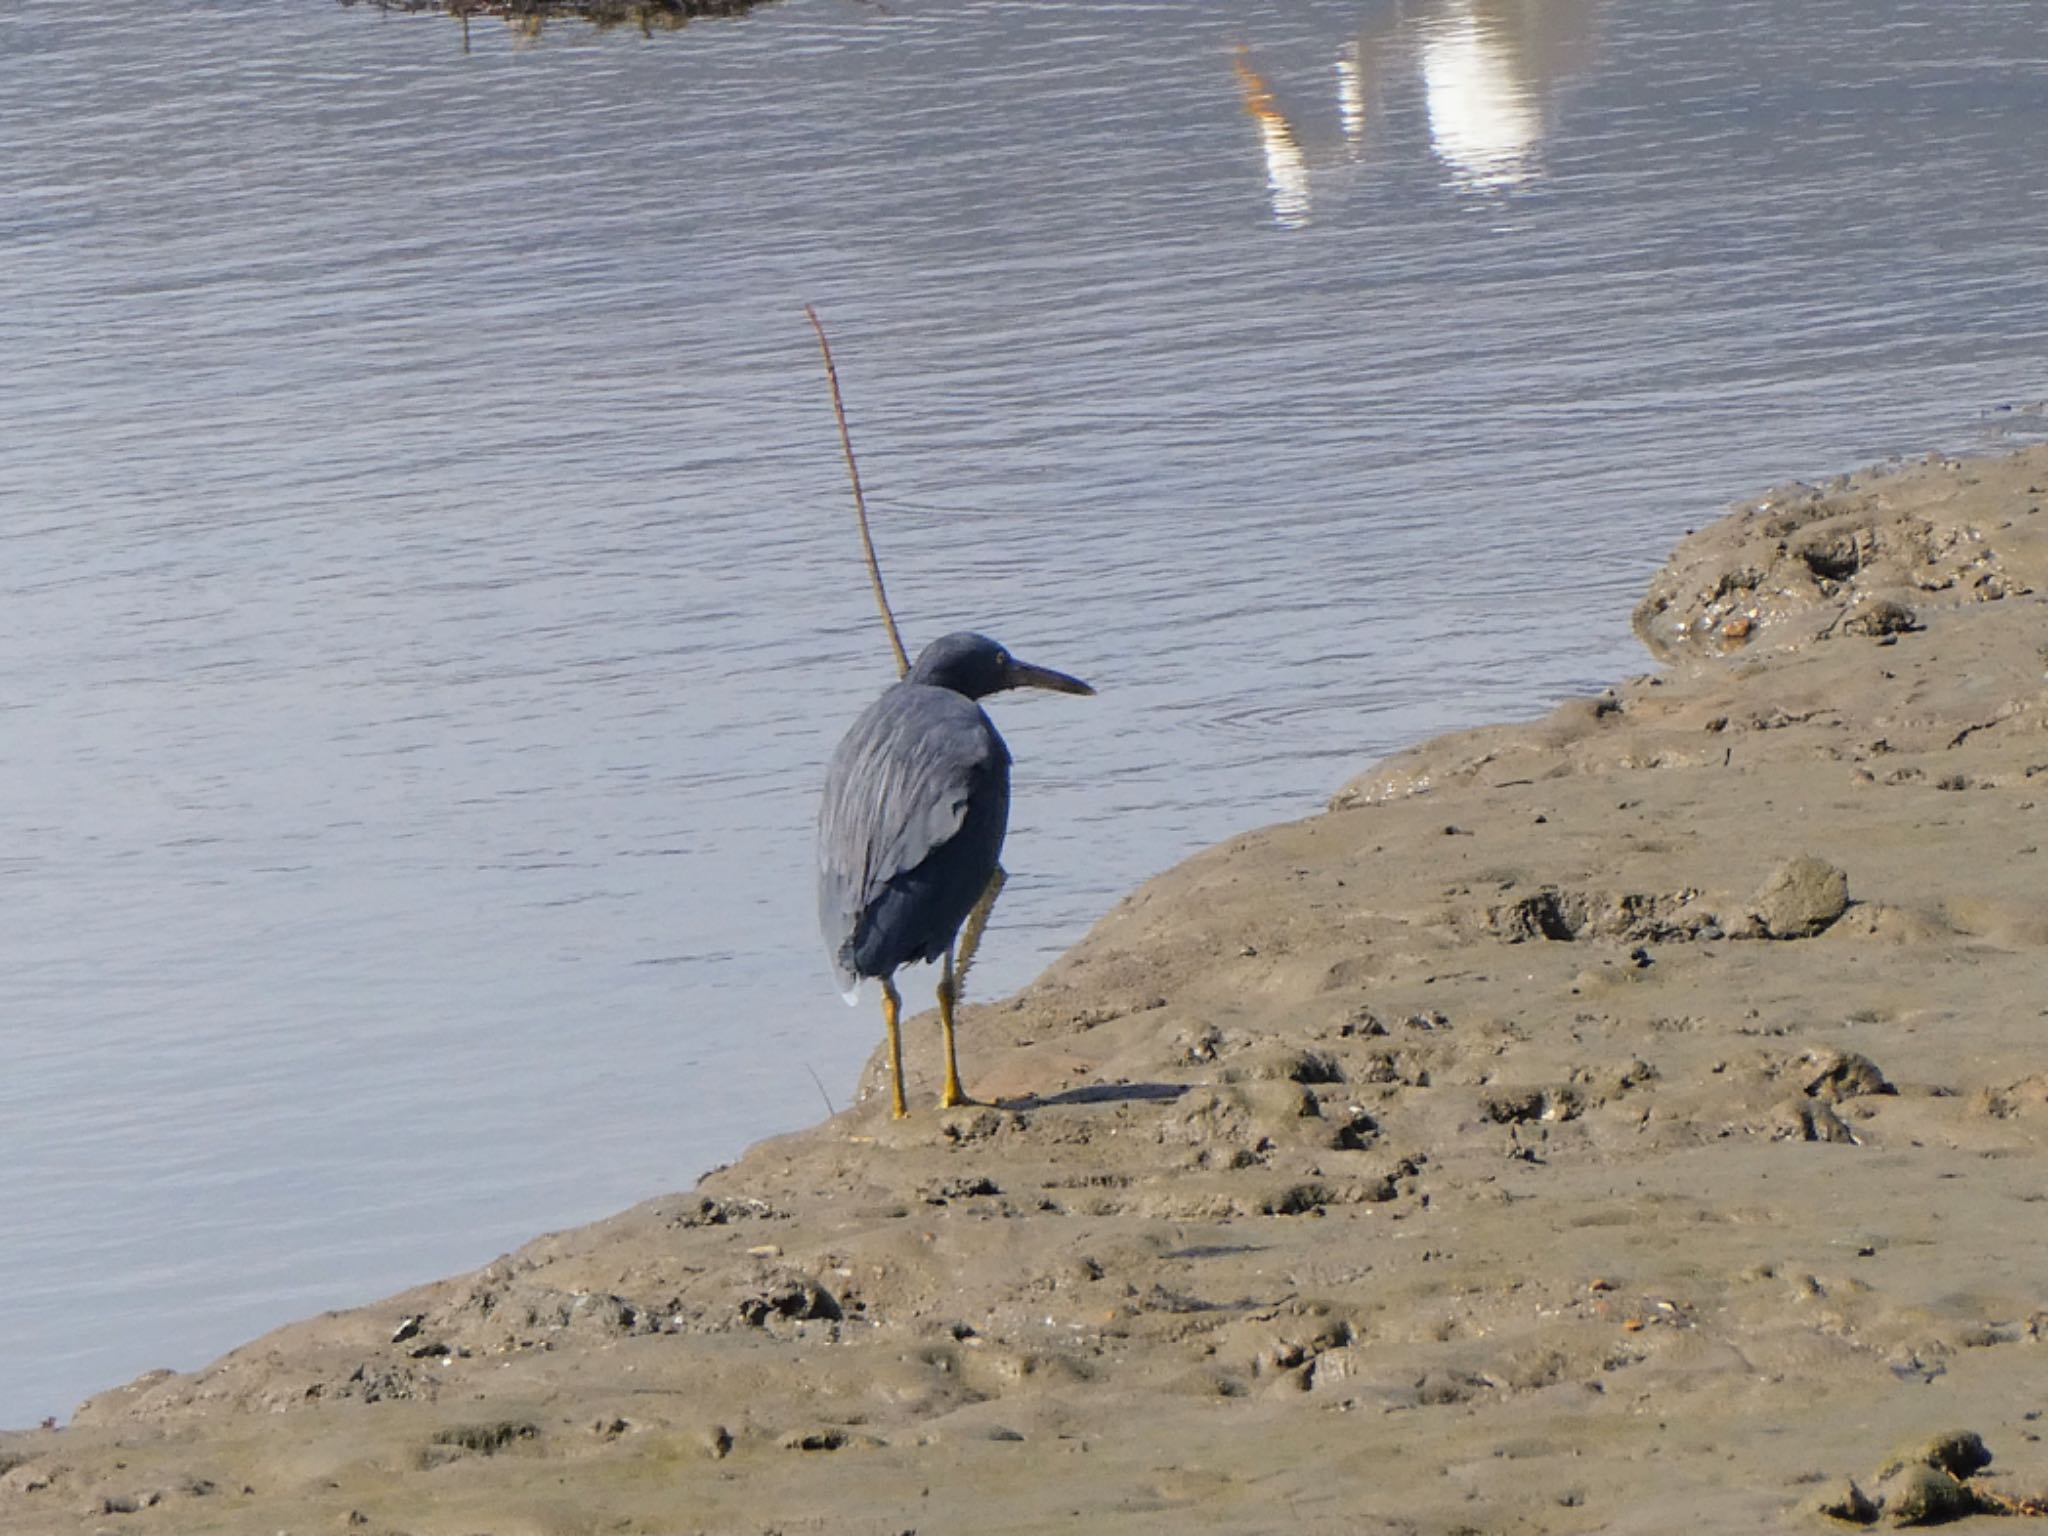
[1634,1120]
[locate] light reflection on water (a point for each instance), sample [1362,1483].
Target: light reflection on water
[427,597]
[1489,74]
[1484,122]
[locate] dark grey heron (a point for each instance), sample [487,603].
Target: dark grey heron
[916,803]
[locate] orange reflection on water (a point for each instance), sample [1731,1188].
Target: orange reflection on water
[1286,166]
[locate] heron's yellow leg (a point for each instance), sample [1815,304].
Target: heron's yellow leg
[951,1096]
[977,921]
[892,1009]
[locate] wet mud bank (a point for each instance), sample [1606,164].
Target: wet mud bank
[1636,1119]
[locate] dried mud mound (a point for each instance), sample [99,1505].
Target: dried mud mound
[1859,557]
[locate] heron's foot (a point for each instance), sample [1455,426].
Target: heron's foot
[955,1098]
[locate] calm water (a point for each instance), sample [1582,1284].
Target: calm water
[427,595]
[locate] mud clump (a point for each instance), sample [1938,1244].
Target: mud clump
[1924,1495]
[789,1297]
[1958,1452]
[1878,617]
[487,1438]
[1839,1075]
[1846,1503]
[1800,898]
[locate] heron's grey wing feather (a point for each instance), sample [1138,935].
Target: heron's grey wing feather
[900,785]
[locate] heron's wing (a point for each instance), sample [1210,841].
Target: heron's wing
[919,767]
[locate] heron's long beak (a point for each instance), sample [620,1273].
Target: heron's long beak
[1024,675]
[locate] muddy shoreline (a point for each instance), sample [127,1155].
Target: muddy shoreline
[1632,1120]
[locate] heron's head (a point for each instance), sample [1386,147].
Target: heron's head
[976,666]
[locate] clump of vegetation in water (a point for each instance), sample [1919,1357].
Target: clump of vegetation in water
[531,15]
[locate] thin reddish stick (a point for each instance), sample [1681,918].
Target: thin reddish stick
[860,502]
